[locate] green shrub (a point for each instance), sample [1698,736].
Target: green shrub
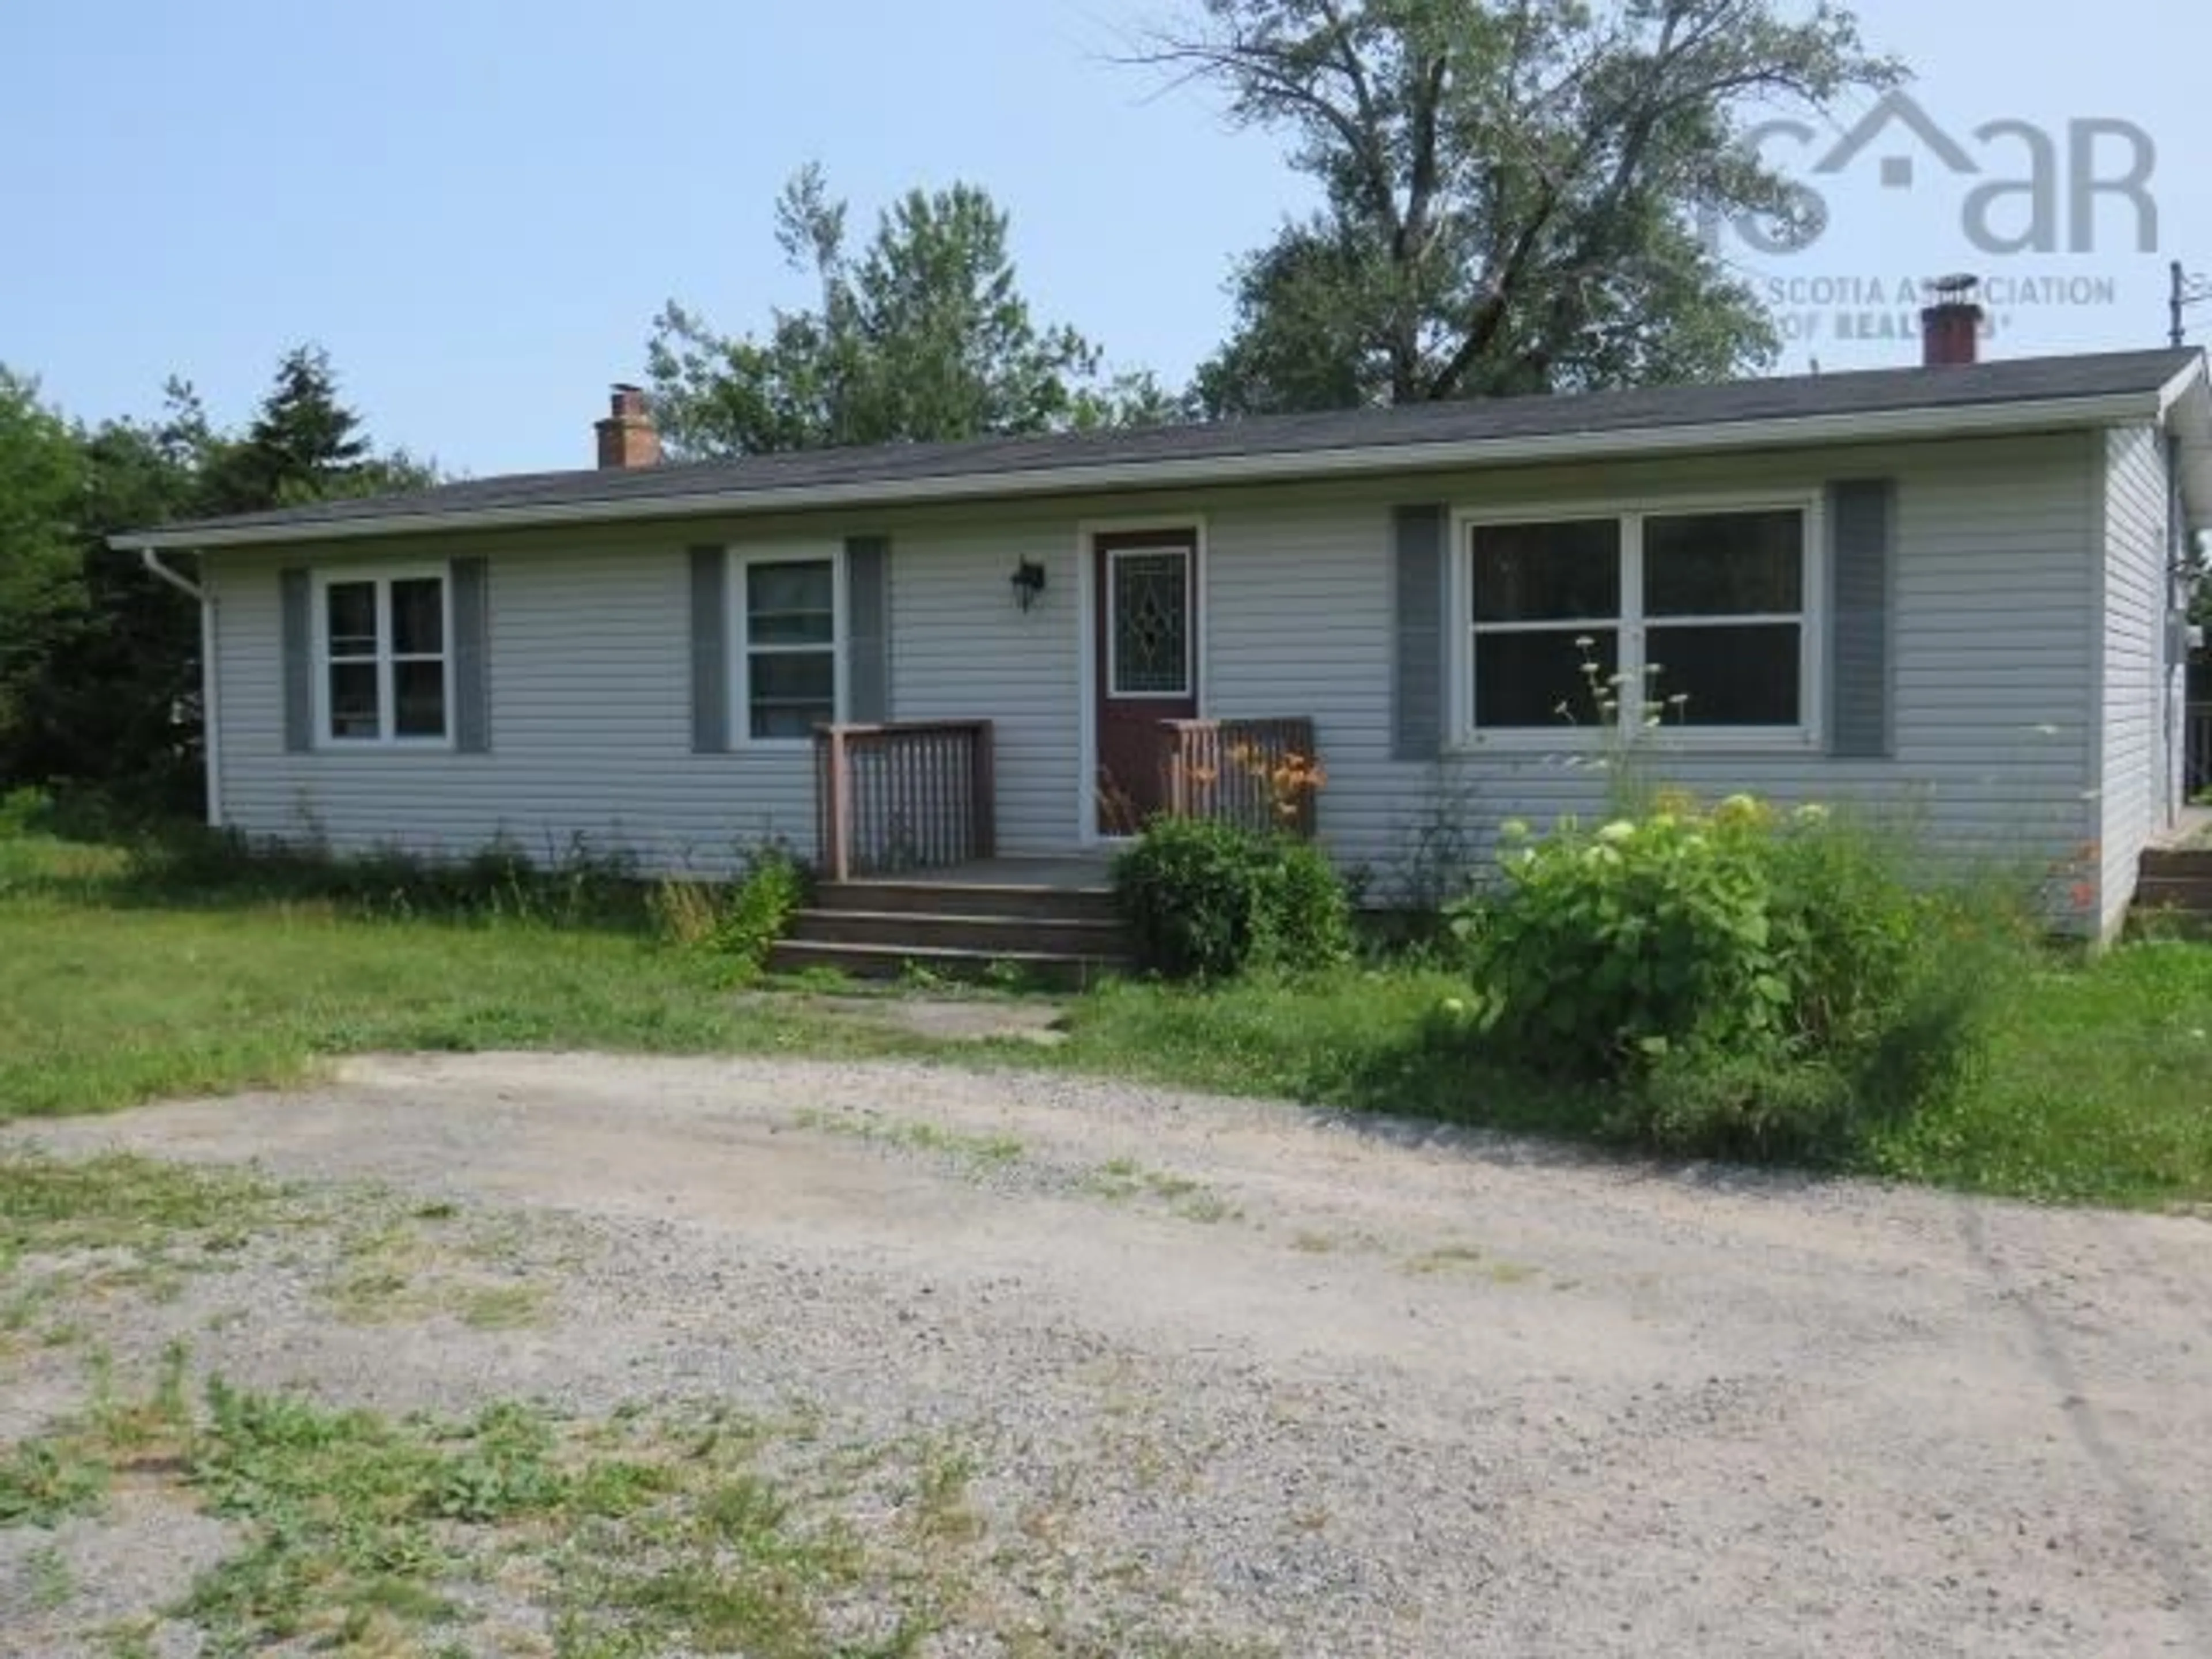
[1752,984]
[24,809]
[1207,900]
[739,922]
[769,892]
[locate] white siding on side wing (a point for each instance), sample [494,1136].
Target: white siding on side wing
[962,648]
[590,660]
[1995,582]
[2137,788]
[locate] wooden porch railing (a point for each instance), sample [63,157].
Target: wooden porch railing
[914,795]
[1243,771]
[2200,747]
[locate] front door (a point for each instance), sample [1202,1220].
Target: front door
[1147,618]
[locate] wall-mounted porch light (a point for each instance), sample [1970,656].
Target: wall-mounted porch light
[1029,582]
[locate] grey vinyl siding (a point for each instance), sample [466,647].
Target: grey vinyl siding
[963,648]
[590,662]
[2137,788]
[1992,725]
[1994,718]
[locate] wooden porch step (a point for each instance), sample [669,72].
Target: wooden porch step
[2190,893]
[1004,900]
[1054,970]
[2177,864]
[1041,932]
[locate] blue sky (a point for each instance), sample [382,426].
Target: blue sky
[478,206]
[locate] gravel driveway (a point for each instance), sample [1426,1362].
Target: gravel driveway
[1277,1382]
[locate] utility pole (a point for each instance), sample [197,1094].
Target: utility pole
[2188,291]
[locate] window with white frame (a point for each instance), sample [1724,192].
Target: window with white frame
[385,666]
[787,615]
[1700,616]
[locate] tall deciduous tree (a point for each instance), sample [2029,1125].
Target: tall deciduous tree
[924,334]
[42,485]
[1512,189]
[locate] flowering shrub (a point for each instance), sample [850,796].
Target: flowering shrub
[1757,980]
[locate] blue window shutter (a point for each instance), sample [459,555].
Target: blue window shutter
[710,651]
[471,656]
[1418,660]
[295,594]
[1863,540]
[867,630]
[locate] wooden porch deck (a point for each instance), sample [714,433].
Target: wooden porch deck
[2192,831]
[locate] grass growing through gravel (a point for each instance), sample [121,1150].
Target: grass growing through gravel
[672,1528]
[364,1533]
[1121,1179]
[127,975]
[977,1152]
[662,1527]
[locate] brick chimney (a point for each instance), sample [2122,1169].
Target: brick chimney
[627,437]
[1951,329]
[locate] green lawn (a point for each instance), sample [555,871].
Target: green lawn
[116,988]
[118,985]
[2097,1087]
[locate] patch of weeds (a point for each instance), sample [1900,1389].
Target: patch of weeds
[1452,1258]
[45,1481]
[69,1470]
[131,1638]
[654,1530]
[25,1305]
[430,1262]
[1122,1179]
[941,1511]
[1444,1258]
[502,1307]
[48,1582]
[343,1512]
[983,1151]
[121,1201]
[919,977]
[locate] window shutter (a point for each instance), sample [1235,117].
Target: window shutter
[471,656]
[1863,533]
[710,651]
[867,629]
[1417,680]
[296,595]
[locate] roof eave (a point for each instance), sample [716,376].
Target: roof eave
[1367,460]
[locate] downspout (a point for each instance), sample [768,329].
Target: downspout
[210,726]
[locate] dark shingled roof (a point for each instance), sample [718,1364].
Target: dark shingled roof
[1797,397]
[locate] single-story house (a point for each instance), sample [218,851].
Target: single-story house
[1955,589]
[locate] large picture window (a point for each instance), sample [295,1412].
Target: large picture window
[1702,612]
[385,659]
[787,608]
